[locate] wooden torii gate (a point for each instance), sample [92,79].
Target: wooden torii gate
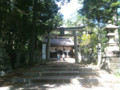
[62,33]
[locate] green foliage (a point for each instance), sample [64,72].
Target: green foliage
[116,4]
[75,21]
[69,23]
[85,39]
[23,21]
[89,41]
[98,10]
[117,73]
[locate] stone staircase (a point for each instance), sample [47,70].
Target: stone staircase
[63,76]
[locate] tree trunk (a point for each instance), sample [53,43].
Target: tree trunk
[18,54]
[32,41]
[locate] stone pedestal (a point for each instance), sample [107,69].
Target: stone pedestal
[112,54]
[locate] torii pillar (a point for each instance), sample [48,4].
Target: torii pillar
[76,47]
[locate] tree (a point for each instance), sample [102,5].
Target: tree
[99,11]
[23,21]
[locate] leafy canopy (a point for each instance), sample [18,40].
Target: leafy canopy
[98,10]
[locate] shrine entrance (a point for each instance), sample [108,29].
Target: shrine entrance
[66,44]
[61,46]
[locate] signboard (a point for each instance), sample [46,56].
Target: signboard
[44,52]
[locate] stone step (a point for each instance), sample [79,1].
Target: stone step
[58,86]
[59,79]
[76,69]
[65,66]
[62,68]
[60,73]
[69,74]
[67,79]
[62,79]
[72,69]
[39,69]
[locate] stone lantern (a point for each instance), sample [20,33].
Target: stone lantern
[112,49]
[113,45]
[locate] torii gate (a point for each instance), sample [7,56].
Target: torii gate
[62,33]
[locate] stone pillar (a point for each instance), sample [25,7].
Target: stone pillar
[44,52]
[48,47]
[76,48]
[112,50]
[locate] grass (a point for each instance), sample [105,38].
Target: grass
[117,73]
